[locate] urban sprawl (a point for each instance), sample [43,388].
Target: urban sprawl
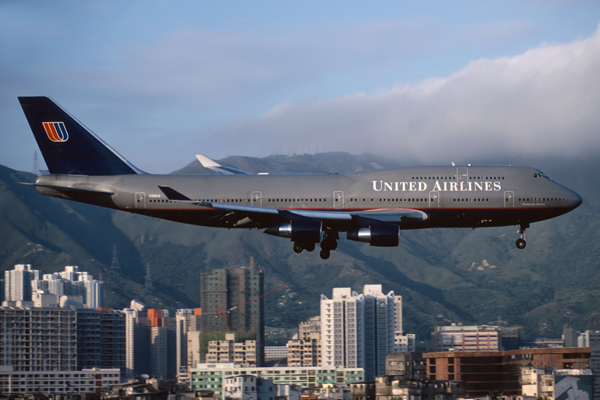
[57,340]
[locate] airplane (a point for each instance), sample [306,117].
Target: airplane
[369,206]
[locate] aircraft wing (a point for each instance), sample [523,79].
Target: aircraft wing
[215,166]
[247,213]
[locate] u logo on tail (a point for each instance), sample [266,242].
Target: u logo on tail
[56,131]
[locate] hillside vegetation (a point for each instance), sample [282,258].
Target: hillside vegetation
[444,276]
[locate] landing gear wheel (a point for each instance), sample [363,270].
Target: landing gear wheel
[309,246]
[324,254]
[521,242]
[298,248]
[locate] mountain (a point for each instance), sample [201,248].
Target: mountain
[444,276]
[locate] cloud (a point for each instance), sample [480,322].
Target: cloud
[544,101]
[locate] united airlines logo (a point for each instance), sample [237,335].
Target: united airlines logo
[56,131]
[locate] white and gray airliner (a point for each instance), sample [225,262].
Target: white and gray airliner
[309,209]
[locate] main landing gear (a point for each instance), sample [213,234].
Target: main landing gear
[328,244]
[298,247]
[521,241]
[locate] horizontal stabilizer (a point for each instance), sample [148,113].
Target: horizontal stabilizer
[77,189]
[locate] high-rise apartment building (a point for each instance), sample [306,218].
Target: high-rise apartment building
[73,282]
[231,302]
[101,339]
[131,315]
[591,339]
[38,339]
[186,320]
[466,338]
[17,282]
[357,330]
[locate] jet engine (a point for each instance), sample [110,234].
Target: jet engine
[300,231]
[383,235]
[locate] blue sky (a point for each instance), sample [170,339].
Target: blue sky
[429,81]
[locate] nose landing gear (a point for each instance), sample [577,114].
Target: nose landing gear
[521,241]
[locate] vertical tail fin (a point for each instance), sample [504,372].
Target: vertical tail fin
[69,147]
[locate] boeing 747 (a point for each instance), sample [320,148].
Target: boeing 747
[309,209]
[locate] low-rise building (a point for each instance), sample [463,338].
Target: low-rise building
[466,338]
[210,376]
[500,371]
[52,382]
[248,387]
[550,383]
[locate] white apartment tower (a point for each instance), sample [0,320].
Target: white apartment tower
[17,282]
[357,330]
[72,282]
[131,314]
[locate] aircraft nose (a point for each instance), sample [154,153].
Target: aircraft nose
[574,199]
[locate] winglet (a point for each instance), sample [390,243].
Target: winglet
[215,166]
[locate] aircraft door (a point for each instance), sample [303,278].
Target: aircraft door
[140,200]
[509,199]
[256,199]
[462,177]
[434,199]
[338,199]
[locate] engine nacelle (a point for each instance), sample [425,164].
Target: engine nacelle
[383,235]
[301,231]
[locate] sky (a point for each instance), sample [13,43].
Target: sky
[429,82]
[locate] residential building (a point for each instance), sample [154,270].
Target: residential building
[38,339]
[231,302]
[304,353]
[405,343]
[186,320]
[53,383]
[72,282]
[248,387]
[304,350]
[228,351]
[591,339]
[210,376]
[406,365]
[500,371]
[101,339]
[358,330]
[275,352]
[131,315]
[550,383]
[310,329]
[17,283]
[466,338]
[157,350]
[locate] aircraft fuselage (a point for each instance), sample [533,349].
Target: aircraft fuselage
[450,196]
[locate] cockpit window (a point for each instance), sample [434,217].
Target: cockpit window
[540,174]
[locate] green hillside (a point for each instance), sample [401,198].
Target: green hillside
[443,275]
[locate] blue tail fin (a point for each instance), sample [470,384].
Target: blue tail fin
[69,147]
